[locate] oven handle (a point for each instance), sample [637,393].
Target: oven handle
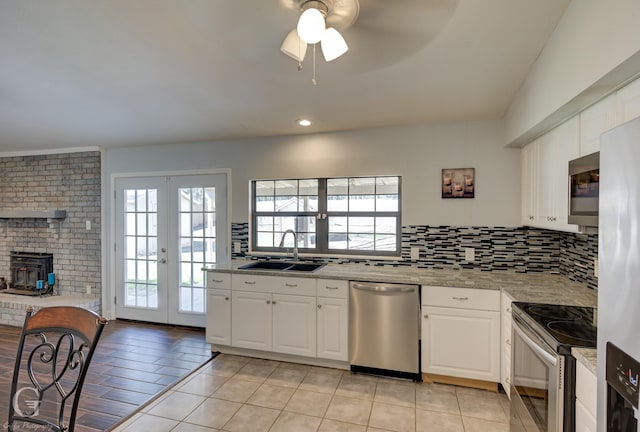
[551,359]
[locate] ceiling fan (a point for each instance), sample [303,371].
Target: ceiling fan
[379,32]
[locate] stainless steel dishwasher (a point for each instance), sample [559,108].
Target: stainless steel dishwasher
[384,329]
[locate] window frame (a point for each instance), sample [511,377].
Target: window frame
[322,216]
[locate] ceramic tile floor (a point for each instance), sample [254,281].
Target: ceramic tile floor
[241,394]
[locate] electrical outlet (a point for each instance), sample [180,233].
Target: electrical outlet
[595,267]
[237,247]
[415,253]
[469,254]
[88,289]
[88,225]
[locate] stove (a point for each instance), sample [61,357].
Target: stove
[560,325]
[542,368]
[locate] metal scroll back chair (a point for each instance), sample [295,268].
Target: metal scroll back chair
[54,352]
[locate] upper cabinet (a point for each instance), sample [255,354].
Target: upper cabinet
[628,102]
[595,120]
[545,177]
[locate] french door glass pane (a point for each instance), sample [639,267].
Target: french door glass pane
[197,239]
[141,263]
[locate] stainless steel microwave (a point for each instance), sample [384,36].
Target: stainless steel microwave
[584,190]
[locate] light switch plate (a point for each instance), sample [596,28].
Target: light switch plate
[237,247]
[88,225]
[469,254]
[415,253]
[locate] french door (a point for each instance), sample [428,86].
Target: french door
[167,229]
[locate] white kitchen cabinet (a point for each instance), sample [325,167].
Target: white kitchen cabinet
[333,328]
[628,101]
[505,342]
[586,399]
[529,184]
[251,320]
[333,319]
[598,118]
[461,333]
[218,329]
[545,177]
[294,324]
[274,313]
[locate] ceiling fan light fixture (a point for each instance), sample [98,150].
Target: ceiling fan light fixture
[311,24]
[293,46]
[333,44]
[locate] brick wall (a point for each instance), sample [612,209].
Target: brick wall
[70,182]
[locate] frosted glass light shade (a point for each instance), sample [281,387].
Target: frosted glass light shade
[333,44]
[311,26]
[293,46]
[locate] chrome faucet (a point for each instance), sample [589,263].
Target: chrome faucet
[295,242]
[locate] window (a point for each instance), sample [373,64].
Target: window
[346,215]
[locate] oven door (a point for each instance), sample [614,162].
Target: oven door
[536,382]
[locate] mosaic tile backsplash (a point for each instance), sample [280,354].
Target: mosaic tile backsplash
[519,249]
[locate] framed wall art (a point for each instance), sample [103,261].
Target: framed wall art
[458,183]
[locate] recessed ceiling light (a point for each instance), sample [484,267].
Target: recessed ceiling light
[304,122]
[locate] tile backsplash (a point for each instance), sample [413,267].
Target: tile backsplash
[518,249]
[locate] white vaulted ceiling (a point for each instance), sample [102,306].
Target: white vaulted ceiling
[78,73]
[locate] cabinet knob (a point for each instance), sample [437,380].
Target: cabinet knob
[508,380]
[530,217]
[426,316]
[509,309]
[249,283]
[268,301]
[226,298]
[331,287]
[319,306]
[508,341]
[273,302]
[291,285]
[217,280]
[460,298]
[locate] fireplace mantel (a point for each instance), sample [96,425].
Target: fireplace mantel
[33,214]
[53,217]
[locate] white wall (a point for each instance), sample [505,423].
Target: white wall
[416,153]
[578,63]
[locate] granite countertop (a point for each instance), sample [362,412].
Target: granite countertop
[586,356]
[529,287]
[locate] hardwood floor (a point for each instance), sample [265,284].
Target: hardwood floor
[133,363]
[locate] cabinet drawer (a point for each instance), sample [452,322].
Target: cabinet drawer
[333,288]
[586,388]
[218,280]
[293,286]
[274,284]
[463,298]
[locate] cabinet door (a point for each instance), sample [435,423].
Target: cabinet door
[546,176]
[505,343]
[251,320]
[333,328]
[585,422]
[461,343]
[595,120]
[218,329]
[294,325]
[529,185]
[628,99]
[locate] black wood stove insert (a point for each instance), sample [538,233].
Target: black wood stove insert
[27,268]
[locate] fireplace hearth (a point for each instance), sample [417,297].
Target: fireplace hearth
[30,273]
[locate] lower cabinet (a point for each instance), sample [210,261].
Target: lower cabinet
[294,325]
[251,320]
[333,328]
[586,399]
[219,316]
[505,343]
[288,315]
[461,333]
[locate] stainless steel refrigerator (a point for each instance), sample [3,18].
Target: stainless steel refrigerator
[619,272]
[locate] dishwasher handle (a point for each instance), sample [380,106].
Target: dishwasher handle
[384,288]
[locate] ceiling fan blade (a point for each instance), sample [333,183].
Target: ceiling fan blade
[387,31]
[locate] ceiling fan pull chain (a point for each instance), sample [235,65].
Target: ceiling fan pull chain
[313,79]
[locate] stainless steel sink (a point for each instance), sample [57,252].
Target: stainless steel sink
[282,266]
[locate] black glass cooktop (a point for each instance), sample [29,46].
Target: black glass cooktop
[567,325]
